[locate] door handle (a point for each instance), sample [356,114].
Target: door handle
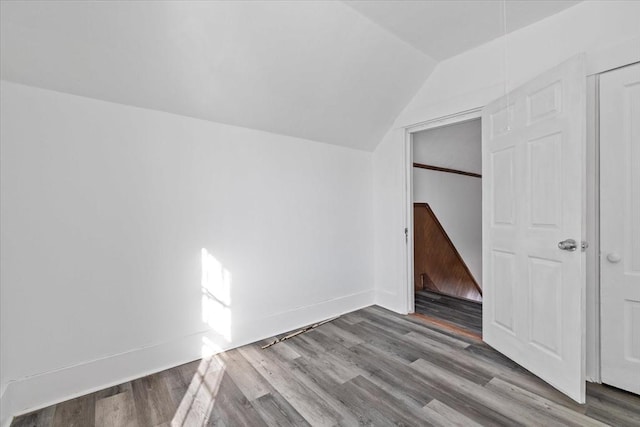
[613,257]
[568,245]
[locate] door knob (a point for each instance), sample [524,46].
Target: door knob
[568,245]
[613,257]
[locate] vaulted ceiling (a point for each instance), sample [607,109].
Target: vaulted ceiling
[335,72]
[442,29]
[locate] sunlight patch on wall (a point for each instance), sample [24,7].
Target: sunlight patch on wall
[216,295]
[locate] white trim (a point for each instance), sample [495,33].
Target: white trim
[448,120]
[596,232]
[592,225]
[409,298]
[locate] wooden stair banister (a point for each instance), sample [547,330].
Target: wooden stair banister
[438,266]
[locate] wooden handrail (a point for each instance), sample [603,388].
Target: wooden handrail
[440,169]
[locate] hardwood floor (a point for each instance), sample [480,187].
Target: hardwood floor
[463,314]
[369,367]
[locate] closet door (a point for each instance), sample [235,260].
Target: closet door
[620,227]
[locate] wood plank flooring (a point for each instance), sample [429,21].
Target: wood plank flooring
[462,313]
[369,367]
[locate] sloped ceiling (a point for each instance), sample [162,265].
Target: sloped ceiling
[442,29]
[316,70]
[319,70]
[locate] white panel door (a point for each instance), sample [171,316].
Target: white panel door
[532,171]
[620,227]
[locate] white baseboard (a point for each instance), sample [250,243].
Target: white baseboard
[39,391]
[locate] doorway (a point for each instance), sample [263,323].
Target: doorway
[447,224]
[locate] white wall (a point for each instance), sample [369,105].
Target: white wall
[456,200]
[471,80]
[105,212]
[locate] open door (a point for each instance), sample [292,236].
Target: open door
[532,198]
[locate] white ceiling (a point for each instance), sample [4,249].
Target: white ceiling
[457,146]
[318,70]
[442,29]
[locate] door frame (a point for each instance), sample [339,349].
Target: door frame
[449,120]
[597,63]
[600,261]
[593,162]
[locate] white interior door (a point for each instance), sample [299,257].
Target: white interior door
[532,146]
[620,227]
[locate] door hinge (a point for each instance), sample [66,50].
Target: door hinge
[406,235]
